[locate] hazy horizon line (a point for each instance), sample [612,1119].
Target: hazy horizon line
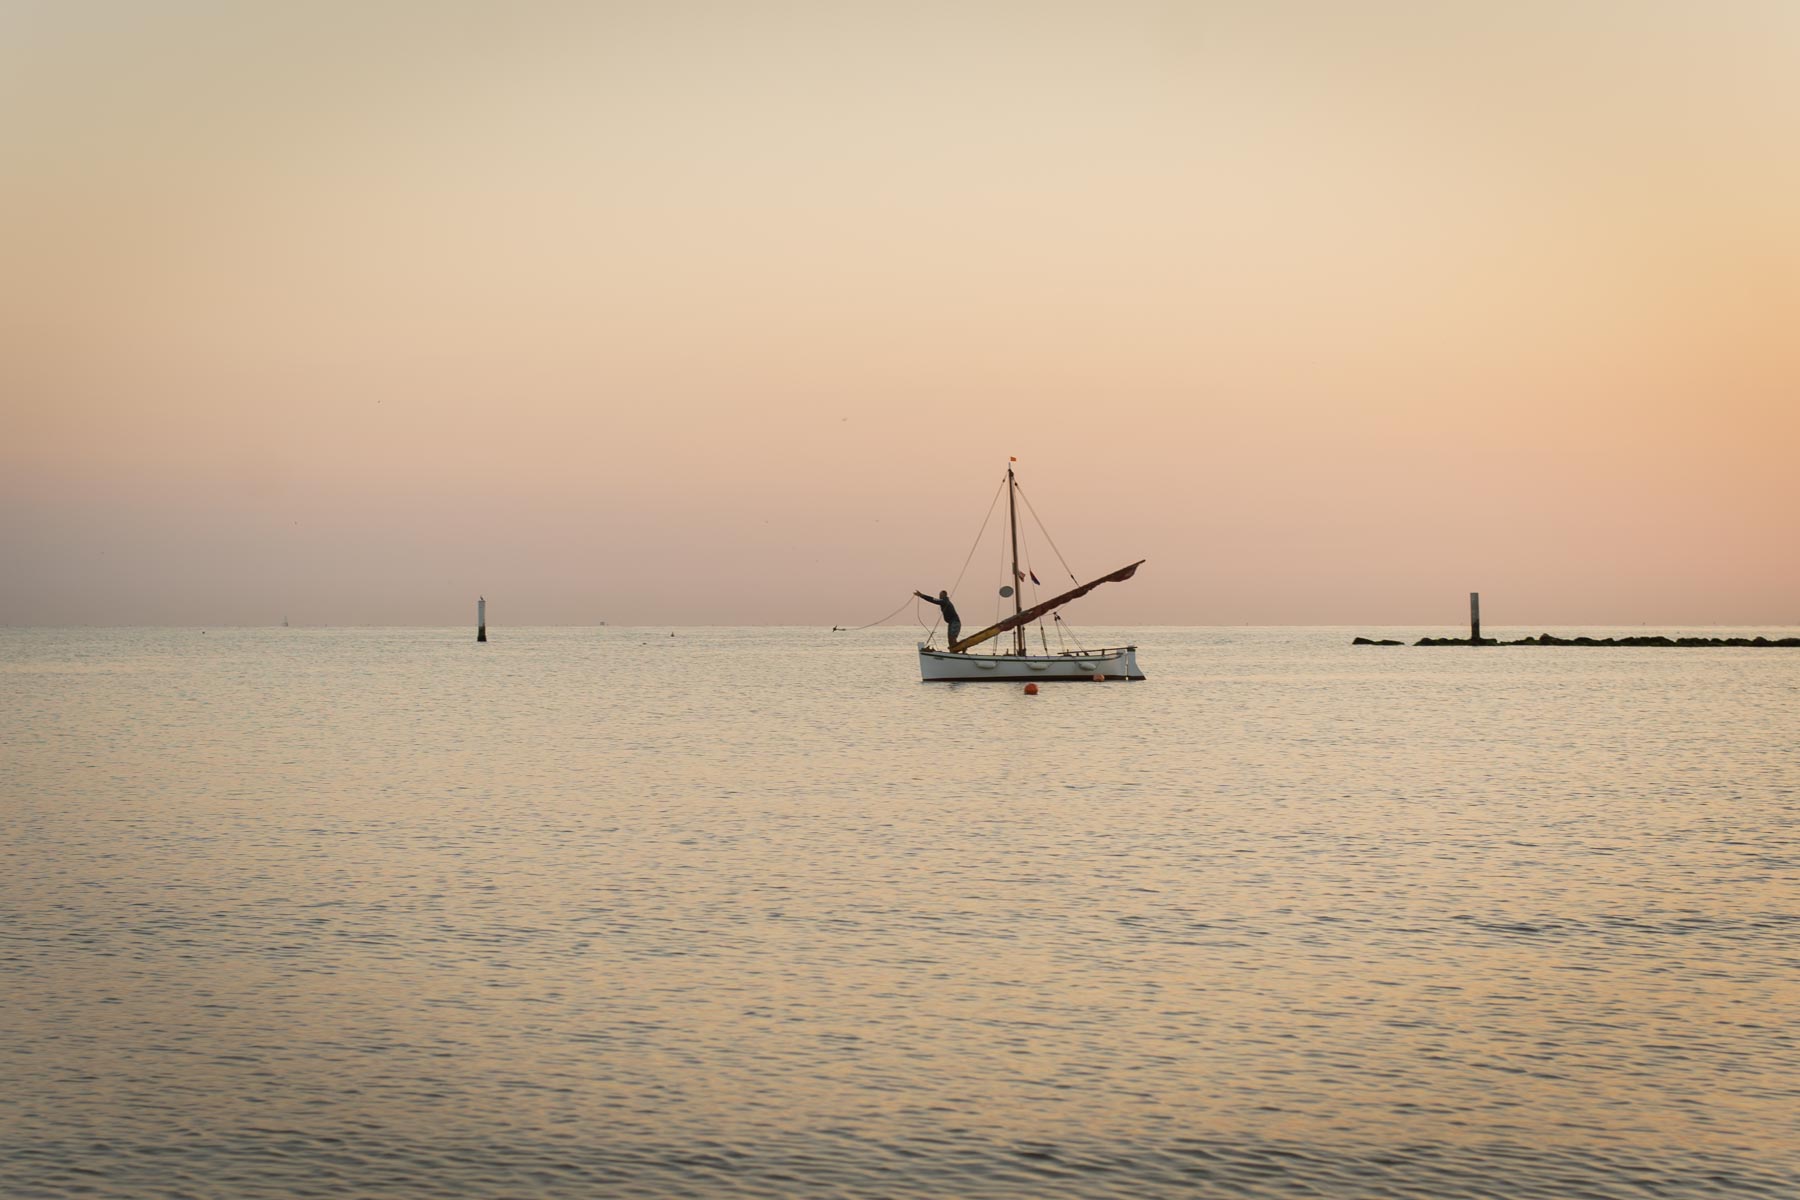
[492,629]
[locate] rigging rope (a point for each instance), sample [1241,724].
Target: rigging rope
[1029,574]
[1061,625]
[978,533]
[1046,532]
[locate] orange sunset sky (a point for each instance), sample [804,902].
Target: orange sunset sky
[672,313]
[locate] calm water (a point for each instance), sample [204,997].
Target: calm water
[752,912]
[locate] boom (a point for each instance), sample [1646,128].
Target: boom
[1031,614]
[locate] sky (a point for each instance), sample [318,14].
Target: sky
[733,313]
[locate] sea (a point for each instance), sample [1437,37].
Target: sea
[752,912]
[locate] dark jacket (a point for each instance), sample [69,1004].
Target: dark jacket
[950,617]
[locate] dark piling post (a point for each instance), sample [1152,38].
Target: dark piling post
[1475,618]
[481,619]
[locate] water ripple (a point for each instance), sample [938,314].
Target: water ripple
[382,913]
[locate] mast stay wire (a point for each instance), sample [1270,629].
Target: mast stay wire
[1062,643]
[1062,626]
[1047,537]
[978,533]
[1030,574]
[1056,618]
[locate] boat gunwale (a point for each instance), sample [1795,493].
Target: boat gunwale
[1090,666]
[1060,656]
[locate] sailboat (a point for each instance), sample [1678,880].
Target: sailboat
[957,664]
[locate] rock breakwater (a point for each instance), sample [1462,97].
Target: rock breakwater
[1548,639]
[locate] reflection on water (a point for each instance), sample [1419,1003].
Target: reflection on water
[754,913]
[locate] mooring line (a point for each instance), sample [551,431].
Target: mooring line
[873,624]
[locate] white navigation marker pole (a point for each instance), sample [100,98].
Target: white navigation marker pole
[481,619]
[1475,617]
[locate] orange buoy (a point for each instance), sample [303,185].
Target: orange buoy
[1099,678]
[1031,689]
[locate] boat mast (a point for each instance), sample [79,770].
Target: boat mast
[1012,518]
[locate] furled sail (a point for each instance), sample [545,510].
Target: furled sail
[1031,614]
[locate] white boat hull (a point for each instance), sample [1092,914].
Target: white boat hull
[940,666]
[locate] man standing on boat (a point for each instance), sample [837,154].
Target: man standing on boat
[950,617]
